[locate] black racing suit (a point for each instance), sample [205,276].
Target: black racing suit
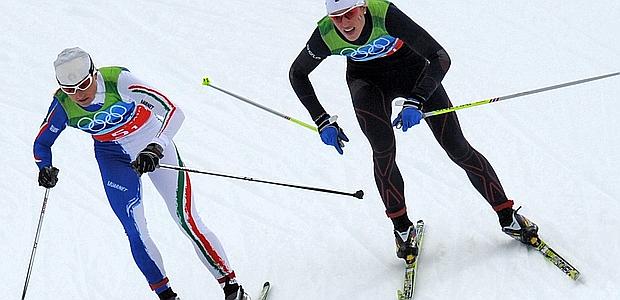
[415,70]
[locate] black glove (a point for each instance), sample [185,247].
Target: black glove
[48,177]
[148,159]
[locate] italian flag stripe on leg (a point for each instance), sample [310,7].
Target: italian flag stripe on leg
[184,204]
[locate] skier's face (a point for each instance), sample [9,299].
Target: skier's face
[84,92]
[351,23]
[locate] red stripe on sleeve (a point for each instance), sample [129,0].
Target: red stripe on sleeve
[171,107]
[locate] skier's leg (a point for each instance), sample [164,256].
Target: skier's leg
[373,114]
[448,133]
[176,189]
[123,189]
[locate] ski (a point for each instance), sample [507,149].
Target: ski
[555,258]
[411,269]
[264,291]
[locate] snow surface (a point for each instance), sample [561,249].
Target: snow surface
[556,153]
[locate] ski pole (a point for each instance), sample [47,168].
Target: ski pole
[521,94]
[36,241]
[206,81]
[359,194]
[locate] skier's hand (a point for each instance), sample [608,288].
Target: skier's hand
[410,115]
[331,133]
[148,159]
[48,177]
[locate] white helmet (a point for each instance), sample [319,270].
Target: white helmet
[340,7]
[72,66]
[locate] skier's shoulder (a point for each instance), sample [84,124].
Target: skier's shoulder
[112,71]
[128,80]
[395,16]
[316,46]
[113,67]
[59,98]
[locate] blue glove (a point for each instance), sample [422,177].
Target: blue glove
[331,133]
[410,115]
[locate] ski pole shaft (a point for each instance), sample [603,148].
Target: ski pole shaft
[206,81]
[36,241]
[516,95]
[359,194]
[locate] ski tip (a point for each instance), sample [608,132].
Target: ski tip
[574,275]
[206,81]
[264,291]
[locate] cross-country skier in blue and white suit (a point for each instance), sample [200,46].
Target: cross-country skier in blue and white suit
[132,125]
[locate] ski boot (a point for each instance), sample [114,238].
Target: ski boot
[405,244]
[522,229]
[234,291]
[168,294]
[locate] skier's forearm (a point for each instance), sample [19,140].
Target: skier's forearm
[170,127]
[433,75]
[414,36]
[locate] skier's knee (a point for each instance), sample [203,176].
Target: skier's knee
[458,151]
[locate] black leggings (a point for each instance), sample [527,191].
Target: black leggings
[372,97]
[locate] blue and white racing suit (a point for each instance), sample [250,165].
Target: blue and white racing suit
[125,116]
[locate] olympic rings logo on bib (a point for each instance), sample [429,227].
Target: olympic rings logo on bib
[378,48]
[103,119]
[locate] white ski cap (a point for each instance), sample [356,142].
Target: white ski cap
[72,66]
[340,7]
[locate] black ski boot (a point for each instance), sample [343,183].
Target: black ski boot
[405,244]
[168,294]
[521,229]
[234,291]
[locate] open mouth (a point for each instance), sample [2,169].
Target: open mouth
[349,30]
